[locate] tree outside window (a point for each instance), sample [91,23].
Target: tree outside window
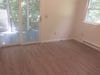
[93,14]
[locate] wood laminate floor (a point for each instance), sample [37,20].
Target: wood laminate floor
[58,58]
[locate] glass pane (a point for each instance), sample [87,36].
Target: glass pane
[3,16]
[34,14]
[24,14]
[95,4]
[93,16]
[2,4]
[9,22]
[14,17]
[31,15]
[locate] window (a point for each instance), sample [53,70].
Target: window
[93,13]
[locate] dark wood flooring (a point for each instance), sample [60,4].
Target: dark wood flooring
[58,58]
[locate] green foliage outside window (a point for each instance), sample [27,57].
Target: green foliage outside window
[94,12]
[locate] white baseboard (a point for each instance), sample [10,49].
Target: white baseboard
[89,44]
[95,46]
[55,40]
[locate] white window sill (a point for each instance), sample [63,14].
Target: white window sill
[90,23]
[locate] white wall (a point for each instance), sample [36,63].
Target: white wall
[84,31]
[57,19]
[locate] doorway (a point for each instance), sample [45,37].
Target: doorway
[19,21]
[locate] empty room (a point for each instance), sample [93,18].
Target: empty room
[49,37]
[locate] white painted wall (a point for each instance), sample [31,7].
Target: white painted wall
[57,19]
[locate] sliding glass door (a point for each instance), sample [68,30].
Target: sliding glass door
[19,21]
